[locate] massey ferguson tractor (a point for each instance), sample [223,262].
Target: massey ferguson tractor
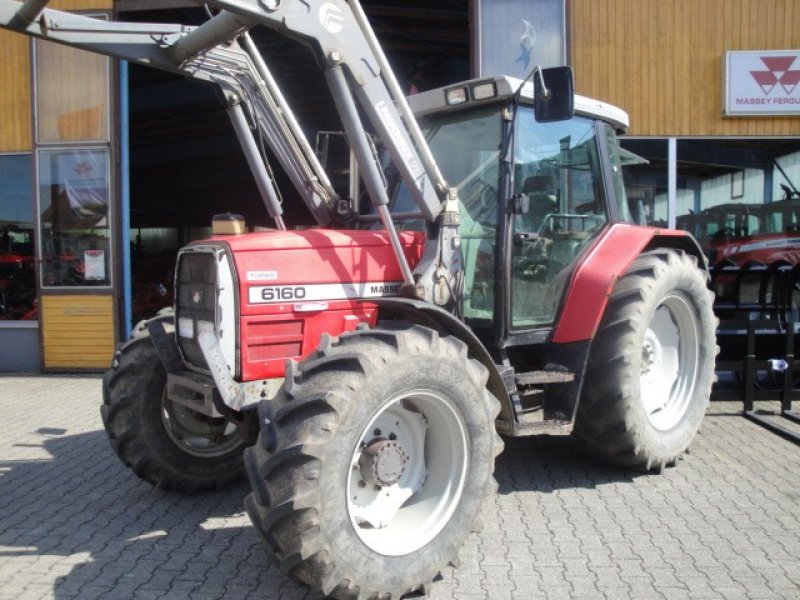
[487,280]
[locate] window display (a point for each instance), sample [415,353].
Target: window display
[74,213]
[17,266]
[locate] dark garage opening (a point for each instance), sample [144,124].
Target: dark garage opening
[186,164]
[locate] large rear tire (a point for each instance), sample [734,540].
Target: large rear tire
[651,365]
[164,443]
[382,451]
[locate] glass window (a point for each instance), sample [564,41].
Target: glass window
[17,279]
[619,158]
[72,94]
[466,145]
[786,176]
[557,166]
[517,35]
[74,216]
[736,197]
[645,175]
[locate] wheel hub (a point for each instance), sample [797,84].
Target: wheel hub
[650,353]
[407,472]
[383,462]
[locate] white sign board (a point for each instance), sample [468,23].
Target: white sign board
[759,83]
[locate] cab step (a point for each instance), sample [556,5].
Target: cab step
[544,377]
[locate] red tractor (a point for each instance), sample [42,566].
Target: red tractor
[491,282]
[745,233]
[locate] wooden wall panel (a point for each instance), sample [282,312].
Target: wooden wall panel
[77,331]
[15,93]
[661,60]
[81,4]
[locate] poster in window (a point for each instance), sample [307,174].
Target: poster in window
[514,36]
[94,265]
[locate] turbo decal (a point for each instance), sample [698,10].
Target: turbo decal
[262,276]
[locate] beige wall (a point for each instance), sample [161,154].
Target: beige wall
[661,60]
[15,93]
[77,331]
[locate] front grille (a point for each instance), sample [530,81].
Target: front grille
[195,299]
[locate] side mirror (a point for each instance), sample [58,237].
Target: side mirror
[553,94]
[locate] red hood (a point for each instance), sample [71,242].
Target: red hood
[315,238]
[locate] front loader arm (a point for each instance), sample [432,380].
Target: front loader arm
[221,52]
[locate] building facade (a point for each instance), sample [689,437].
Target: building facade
[712,90]
[57,203]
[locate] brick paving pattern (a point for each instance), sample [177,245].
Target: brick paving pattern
[75,523]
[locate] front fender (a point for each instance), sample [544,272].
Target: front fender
[444,322]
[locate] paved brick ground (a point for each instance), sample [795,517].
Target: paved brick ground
[724,524]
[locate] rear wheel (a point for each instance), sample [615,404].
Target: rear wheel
[651,365]
[164,443]
[382,450]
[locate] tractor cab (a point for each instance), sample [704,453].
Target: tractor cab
[533,195]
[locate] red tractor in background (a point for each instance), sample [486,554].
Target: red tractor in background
[483,277]
[754,253]
[743,233]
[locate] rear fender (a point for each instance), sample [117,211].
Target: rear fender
[440,320]
[595,278]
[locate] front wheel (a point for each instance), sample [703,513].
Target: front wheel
[651,365]
[164,443]
[382,450]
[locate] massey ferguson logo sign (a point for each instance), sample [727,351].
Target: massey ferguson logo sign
[762,83]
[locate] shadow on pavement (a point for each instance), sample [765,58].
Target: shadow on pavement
[76,515]
[93,529]
[546,463]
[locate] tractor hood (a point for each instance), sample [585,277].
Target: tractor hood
[293,286]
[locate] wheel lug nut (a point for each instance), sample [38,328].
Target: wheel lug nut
[362,484]
[377,432]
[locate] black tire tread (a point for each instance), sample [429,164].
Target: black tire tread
[283,504]
[124,392]
[602,422]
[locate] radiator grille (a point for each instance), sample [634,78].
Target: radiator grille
[195,299]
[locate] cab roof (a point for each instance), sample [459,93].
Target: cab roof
[505,87]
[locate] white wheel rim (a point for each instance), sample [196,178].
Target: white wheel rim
[430,433]
[669,366]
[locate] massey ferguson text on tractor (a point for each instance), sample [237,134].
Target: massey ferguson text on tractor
[491,281]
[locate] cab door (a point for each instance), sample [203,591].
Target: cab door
[558,167]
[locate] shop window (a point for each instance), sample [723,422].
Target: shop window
[74,217]
[737,199]
[72,94]
[17,279]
